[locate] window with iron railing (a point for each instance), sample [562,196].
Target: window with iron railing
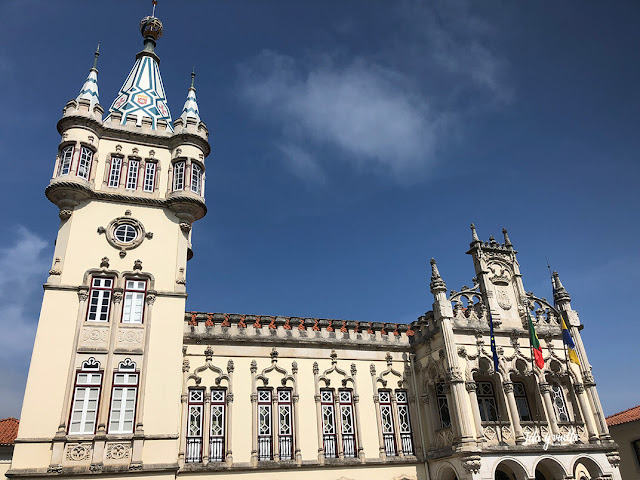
[404,421]
[347,422]
[327,410]
[195,420]
[217,432]
[285,427]
[386,419]
[265,450]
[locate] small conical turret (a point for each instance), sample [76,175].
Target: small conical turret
[89,90]
[437,283]
[507,241]
[190,109]
[474,235]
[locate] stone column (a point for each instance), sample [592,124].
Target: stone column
[376,406]
[513,411]
[254,415]
[396,421]
[338,415]
[356,408]
[473,399]
[206,426]
[297,455]
[545,390]
[586,414]
[316,397]
[428,417]
[275,426]
[229,430]
[184,405]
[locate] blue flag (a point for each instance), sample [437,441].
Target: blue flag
[493,345]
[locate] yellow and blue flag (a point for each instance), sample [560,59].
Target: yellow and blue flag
[568,342]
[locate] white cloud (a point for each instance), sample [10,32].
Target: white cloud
[22,264]
[374,112]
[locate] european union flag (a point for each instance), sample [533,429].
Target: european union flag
[493,345]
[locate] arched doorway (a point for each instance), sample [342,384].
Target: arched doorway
[510,470]
[549,469]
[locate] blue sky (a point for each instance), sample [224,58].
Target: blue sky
[352,142]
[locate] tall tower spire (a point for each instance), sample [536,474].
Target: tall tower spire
[190,109]
[141,98]
[89,90]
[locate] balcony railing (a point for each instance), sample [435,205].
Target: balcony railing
[264,448]
[286,447]
[329,442]
[216,449]
[389,445]
[194,450]
[407,443]
[349,445]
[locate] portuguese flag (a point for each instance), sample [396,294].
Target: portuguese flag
[535,344]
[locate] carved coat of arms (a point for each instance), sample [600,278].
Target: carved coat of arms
[503,299]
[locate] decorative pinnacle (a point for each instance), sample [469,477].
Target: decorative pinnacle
[474,234]
[437,284]
[193,76]
[507,242]
[95,59]
[334,357]
[560,294]
[274,355]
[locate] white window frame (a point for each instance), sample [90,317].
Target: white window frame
[115,169]
[265,429]
[347,421]
[150,176]
[196,178]
[218,398]
[66,159]
[195,437]
[329,428]
[84,162]
[125,383]
[133,172]
[88,385]
[134,297]
[559,403]
[387,423]
[404,426]
[178,175]
[285,429]
[102,293]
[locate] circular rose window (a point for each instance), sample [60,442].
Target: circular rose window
[125,233]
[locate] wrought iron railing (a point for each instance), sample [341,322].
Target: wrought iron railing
[407,443]
[329,442]
[194,450]
[285,446]
[389,444]
[349,445]
[264,448]
[216,449]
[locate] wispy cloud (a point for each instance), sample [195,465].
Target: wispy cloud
[369,110]
[22,264]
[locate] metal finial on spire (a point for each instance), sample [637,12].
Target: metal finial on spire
[193,76]
[95,59]
[153,11]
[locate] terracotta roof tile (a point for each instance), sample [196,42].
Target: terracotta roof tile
[8,430]
[626,416]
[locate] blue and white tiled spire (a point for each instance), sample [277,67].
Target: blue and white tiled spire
[89,90]
[190,109]
[142,94]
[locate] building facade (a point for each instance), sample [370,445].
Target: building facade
[123,382]
[625,431]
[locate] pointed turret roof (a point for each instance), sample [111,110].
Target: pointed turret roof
[89,90]
[142,94]
[190,109]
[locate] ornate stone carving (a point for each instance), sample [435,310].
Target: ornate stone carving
[503,299]
[185,365]
[614,458]
[579,388]
[96,467]
[77,452]
[316,368]
[180,280]
[95,335]
[65,214]
[471,386]
[118,451]
[185,227]
[54,469]
[137,265]
[208,353]
[117,296]
[130,335]
[254,366]
[150,299]
[55,269]
[230,366]
[544,388]
[472,463]
[507,387]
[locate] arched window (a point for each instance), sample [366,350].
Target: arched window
[347,421]
[65,160]
[218,427]
[487,402]
[84,164]
[150,176]
[562,414]
[195,416]
[196,178]
[443,405]
[178,176]
[520,393]
[265,450]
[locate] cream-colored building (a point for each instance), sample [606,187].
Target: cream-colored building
[124,382]
[625,431]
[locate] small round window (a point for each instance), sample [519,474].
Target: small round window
[125,233]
